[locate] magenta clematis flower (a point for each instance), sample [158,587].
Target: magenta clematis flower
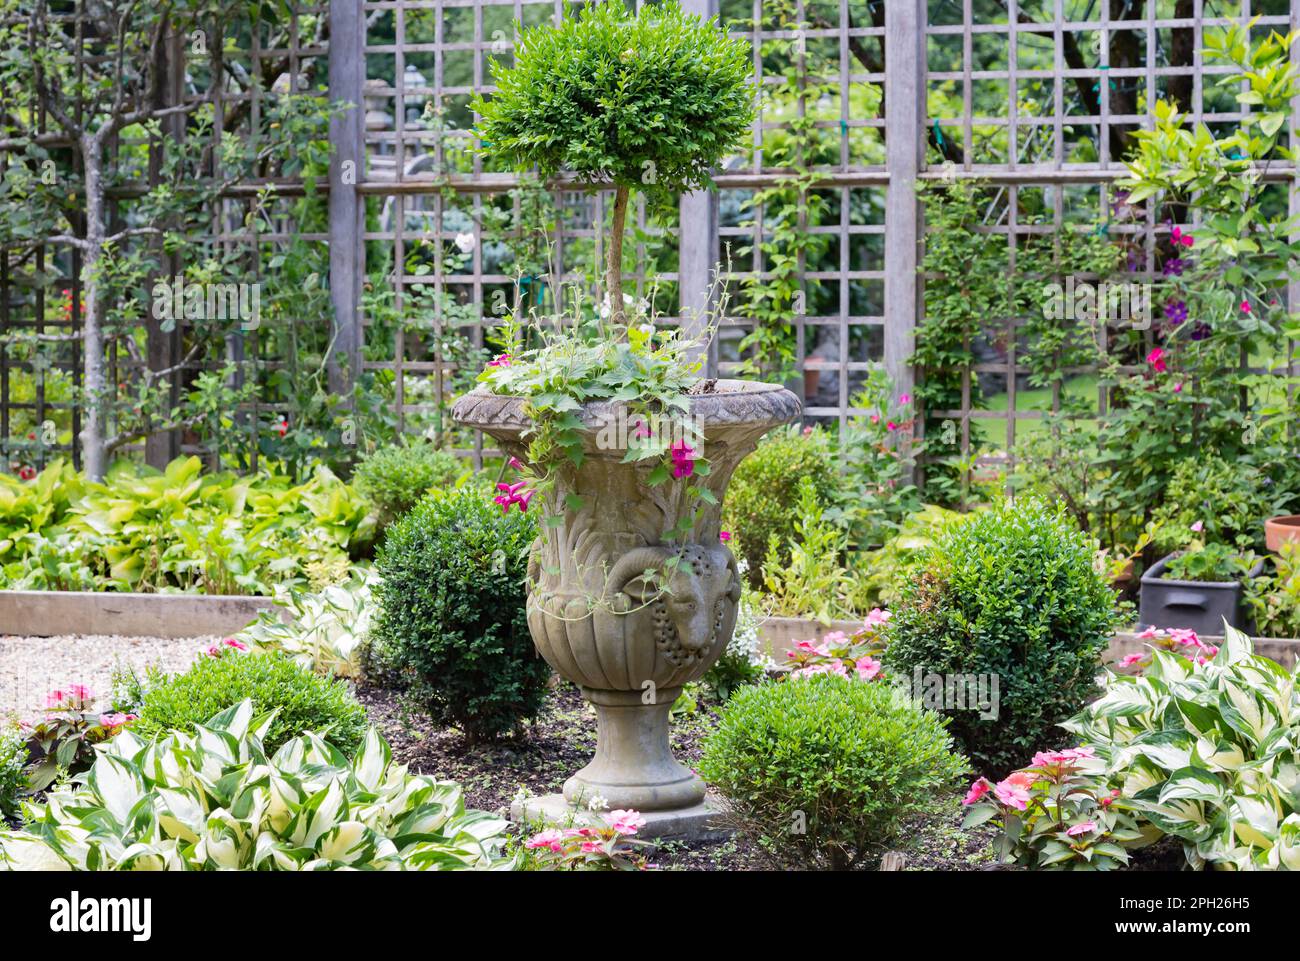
[517,493]
[1178,236]
[515,463]
[1245,306]
[905,399]
[724,536]
[1157,360]
[500,360]
[683,455]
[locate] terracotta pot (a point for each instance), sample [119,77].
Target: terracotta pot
[1279,529]
[629,645]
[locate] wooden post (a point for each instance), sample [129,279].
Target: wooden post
[346,207]
[697,252]
[905,157]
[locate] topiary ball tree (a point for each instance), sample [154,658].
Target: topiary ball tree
[649,102]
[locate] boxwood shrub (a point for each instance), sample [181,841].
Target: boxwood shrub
[1011,592]
[306,701]
[763,497]
[824,771]
[395,478]
[13,777]
[452,612]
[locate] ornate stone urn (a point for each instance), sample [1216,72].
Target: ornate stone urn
[627,640]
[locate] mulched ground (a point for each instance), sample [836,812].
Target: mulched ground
[562,740]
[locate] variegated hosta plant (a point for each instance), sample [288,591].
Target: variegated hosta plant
[325,630]
[214,800]
[1207,752]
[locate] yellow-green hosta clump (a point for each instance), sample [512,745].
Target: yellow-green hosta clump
[214,800]
[325,631]
[1207,750]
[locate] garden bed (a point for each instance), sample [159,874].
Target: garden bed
[563,738]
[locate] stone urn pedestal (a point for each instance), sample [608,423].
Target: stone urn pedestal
[613,606]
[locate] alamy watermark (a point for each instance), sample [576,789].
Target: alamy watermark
[178,299]
[1126,303]
[952,692]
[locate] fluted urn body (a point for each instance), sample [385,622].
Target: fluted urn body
[614,606]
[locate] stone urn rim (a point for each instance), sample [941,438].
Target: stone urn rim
[732,402]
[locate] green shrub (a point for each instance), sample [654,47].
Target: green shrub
[823,771]
[1229,500]
[763,498]
[305,701]
[1010,592]
[13,759]
[452,611]
[396,478]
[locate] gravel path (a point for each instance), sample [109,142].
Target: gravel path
[32,666]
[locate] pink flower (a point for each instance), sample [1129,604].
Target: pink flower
[1157,360]
[233,644]
[591,847]
[1178,387]
[905,399]
[73,696]
[1012,795]
[977,791]
[724,536]
[641,429]
[1245,306]
[1128,660]
[877,618]
[1198,526]
[625,821]
[1151,633]
[807,431]
[500,360]
[1083,827]
[683,456]
[1110,799]
[1184,636]
[867,668]
[875,418]
[517,493]
[115,720]
[1179,237]
[514,462]
[551,839]
[891,426]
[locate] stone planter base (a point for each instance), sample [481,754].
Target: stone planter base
[634,767]
[696,823]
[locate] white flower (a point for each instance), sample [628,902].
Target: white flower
[466,242]
[597,803]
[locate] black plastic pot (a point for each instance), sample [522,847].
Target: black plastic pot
[1201,606]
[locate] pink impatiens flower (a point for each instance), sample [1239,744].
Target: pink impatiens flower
[1157,360]
[625,821]
[552,839]
[977,791]
[114,720]
[868,668]
[1083,827]
[229,644]
[1128,660]
[877,618]
[73,696]
[1012,795]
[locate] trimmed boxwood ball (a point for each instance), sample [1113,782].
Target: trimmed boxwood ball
[825,771]
[452,612]
[763,497]
[1011,591]
[397,477]
[305,701]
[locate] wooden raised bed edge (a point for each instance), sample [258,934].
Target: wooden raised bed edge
[50,613]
